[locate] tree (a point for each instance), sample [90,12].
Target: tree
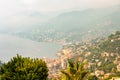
[92,77]
[20,68]
[75,71]
[1,63]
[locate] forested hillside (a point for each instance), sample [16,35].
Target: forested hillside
[102,55]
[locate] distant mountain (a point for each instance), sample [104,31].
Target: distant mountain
[22,21]
[86,19]
[77,25]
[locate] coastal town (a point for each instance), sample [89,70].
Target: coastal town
[60,40]
[103,64]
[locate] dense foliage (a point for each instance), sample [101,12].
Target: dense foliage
[1,63]
[74,71]
[20,68]
[112,44]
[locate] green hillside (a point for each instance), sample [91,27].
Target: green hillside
[102,55]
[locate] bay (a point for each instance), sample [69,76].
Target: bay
[11,45]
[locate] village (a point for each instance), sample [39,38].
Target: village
[95,63]
[60,63]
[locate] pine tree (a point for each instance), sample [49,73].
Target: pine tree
[20,68]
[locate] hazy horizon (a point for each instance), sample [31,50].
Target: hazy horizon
[16,12]
[8,7]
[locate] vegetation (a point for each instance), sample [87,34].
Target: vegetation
[75,71]
[112,44]
[20,68]
[94,61]
[1,63]
[103,55]
[92,77]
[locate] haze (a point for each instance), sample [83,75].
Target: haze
[12,12]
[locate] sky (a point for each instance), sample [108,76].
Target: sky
[12,8]
[8,7]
